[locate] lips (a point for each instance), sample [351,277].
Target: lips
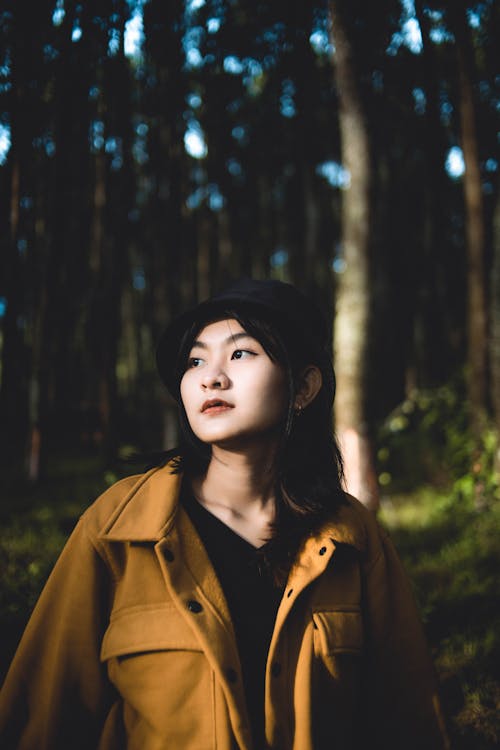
[215,406]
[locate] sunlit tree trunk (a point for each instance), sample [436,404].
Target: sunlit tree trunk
[474,225]
[353,286]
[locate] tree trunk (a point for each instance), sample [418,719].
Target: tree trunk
[353,288]
[474,227]
[16,277]
[204,226]
[494,349]
[434,303]
[11,395]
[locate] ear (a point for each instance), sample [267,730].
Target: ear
[309,385]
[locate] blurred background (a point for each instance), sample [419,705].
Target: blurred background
[152,151]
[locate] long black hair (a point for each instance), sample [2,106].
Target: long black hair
[308,465]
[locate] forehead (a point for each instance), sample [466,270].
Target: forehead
[219,330]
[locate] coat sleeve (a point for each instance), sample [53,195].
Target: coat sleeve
[400,688]
[56,692]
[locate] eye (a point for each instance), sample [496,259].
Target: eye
[193,362]
[242,353]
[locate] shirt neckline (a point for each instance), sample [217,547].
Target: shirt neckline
[192,503]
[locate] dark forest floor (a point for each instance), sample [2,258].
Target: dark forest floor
[451,553]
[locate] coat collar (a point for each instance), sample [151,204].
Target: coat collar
[147,512]
[347,526]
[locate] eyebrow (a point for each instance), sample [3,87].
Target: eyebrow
[230,340]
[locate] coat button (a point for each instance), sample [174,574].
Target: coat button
[168,555]
[231,675]
[276,669]
[322,550]
[194,606]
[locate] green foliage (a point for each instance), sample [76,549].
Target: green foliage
[447,535]
[450,550]
[427,437]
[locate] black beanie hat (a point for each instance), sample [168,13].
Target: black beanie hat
[279,303]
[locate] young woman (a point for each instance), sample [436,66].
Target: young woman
[234,596]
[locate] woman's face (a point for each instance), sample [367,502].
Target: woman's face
[233,393]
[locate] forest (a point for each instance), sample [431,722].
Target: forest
[152,151]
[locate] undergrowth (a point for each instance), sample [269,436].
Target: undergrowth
[446,531]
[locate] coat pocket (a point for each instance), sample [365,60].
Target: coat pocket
[338,631]
[147,628]
[163,678]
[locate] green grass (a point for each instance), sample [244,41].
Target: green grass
[451,552]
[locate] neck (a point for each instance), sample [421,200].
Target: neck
[239,481]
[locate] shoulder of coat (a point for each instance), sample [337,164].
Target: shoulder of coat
[105,504]
[354,524]
[121,498]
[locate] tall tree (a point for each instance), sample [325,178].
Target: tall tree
[13,344]
[494,340]
[433,305]
[353,293]
[474,221]
[28,48]
[164,103]
[169,261]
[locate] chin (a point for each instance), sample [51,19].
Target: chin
[222,439]
[244,441]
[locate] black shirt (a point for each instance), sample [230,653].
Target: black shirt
[252,597]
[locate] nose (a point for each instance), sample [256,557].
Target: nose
[215,379]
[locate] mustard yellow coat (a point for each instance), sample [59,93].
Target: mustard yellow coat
[131,643]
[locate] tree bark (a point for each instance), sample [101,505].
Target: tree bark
[474,226]
[11,392]
[203,264]
[16,275]
[494,348]
[433,296]
[353,289]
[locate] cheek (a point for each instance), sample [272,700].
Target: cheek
[186,389]
[276,394]
[182,390]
